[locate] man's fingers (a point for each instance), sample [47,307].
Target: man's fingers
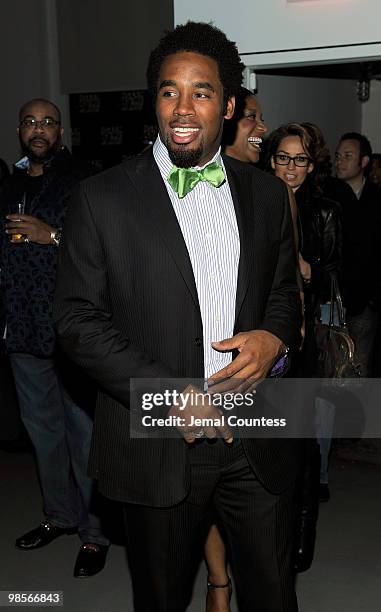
[225,433]
[228,385]
[210,432]
[233,370]
[189,437]
[226,345]
[18,217]
[249,385]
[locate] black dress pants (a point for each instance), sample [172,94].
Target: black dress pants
[165,544]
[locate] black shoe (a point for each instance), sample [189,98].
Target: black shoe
[43,535]
[324,494]
[91,560]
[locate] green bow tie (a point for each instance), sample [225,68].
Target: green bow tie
[183,180]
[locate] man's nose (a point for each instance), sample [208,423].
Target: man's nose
[39,126]
[184,105]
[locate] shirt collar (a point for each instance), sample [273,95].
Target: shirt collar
[23,163]
[360,189]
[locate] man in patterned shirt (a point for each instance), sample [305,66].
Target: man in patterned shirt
[33,205]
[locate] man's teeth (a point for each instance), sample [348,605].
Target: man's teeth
[185,130]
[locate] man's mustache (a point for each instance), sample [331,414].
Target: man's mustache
[39,139]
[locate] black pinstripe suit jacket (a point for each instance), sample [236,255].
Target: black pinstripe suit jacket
[126,306]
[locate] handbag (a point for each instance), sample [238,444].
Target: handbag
[336,355]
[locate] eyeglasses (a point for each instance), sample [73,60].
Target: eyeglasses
[47,123]
[299,160]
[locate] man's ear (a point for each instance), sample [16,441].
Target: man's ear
[230,105]
[365,161]
[18,131]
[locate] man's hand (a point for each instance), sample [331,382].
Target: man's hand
[200,408]
[258,350]
[33,229]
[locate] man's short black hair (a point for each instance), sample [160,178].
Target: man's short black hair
[39,101]
[365,146]
[205,39]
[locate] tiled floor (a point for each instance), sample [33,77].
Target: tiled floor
[345,576]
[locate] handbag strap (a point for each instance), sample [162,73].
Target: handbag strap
[337,301]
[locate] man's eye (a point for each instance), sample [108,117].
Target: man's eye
[251,117]
[201,94]
[168,94]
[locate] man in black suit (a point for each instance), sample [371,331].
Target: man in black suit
[156,264]
[361,225]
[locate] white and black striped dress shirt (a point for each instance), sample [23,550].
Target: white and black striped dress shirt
[208,224]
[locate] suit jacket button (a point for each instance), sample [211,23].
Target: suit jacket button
[198,341]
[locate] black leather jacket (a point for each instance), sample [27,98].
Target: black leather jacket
[320,240]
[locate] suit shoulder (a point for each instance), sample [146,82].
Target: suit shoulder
[112,179]
[104,180]
[260,177]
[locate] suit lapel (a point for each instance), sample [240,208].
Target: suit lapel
[241,188]
[159,210]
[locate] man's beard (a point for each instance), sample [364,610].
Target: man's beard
[40,156]
[182,157]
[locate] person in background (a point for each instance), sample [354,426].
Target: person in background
[375,169]
[361,255]
[242,137]
[33,205]
[300,160]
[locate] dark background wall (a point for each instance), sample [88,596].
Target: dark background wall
[104,45]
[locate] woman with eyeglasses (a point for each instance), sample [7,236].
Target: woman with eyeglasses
[300,160]
[299,156]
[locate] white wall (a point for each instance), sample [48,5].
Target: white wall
[331,104]
[265,25]
[261,27]
[371,117]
